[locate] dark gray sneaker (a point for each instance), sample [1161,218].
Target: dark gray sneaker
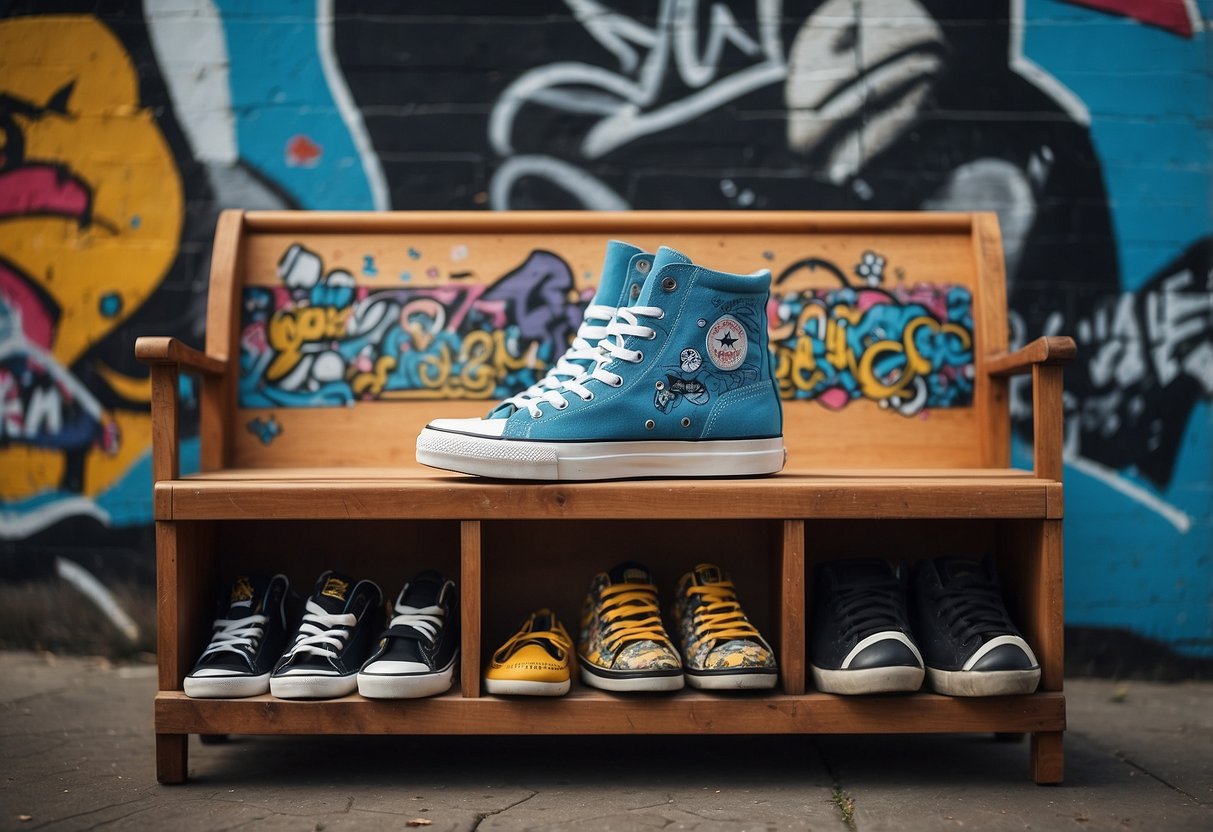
[861,640]
[970,644]
[416,654]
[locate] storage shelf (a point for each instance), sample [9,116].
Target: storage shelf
[380,494]
[585,711]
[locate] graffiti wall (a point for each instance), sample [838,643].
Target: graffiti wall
[1085,124]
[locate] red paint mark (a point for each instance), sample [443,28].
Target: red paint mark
[1172,15]
[302,152]
[834,399]
[43,189]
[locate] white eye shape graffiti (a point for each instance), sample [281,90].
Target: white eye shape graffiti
[690,360]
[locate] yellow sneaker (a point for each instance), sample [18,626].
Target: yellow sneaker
[721,649]
[535,661]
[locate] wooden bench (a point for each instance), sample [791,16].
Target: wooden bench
[332,338]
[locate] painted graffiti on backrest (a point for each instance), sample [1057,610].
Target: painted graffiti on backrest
[908,347]
[320,339]
[83,242]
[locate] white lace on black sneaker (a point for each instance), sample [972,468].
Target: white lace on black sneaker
[318,637]
[626,323]
[584,348]
[426,620]
[239,635]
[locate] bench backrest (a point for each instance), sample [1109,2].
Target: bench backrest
[352,330]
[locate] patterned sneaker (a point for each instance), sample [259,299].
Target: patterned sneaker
[417,652]
[623,274]
[970,645]
[338,627]
[861,640]
[623,645]
[721,649]
[682,387]
[534,661]
[249,636]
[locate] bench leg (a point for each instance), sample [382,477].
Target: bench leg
[172,757]
[1047,756]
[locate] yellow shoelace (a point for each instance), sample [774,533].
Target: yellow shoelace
[719,616]
[557,636]
[631,614]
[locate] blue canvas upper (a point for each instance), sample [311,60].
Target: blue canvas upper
[623,267]
[707,363]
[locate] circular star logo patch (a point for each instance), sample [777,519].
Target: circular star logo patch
[726,343]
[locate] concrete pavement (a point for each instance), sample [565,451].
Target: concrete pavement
[76,753]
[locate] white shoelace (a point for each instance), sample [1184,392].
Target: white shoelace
[626,323]
[233,634]
[427,620]
[584,348]
[317,635]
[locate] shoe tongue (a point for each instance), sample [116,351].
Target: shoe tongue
[246,597]
[424,590]
[952,568]
[543,620]
[862,572]
[631,572]
[333,591]
[614,272]
[707,573]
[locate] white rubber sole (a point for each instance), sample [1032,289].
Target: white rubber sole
[405,685]
[732,681]
[519,687]
[558,461]
[226,687]
[984,682]
[868,680]
[641,684]
[313,687]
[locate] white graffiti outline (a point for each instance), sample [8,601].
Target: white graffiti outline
[623,99]
[350,114]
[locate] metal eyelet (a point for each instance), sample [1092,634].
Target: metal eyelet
[617,383]
[643,266]
[538,415]
[669,284]
[686,421]
[652,334]
[635,292]
[562,406]
[588,398]
[649,424]
[660,385]
[639,356]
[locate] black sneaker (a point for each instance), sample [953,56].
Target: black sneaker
[333,640]
[861,639]
[970,644]
[250,633]
[416,653]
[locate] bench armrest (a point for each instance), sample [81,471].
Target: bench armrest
[1055,349]
[1044,358]
[158,350]
[167,357]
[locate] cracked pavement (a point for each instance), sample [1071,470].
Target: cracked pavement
[76,753]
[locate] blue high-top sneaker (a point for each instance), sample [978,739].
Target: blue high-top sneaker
[623,274]
[682,387]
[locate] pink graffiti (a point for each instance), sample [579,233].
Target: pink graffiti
[1172,15]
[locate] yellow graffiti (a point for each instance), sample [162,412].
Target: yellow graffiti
[797,365]
[115,216]
[291,329]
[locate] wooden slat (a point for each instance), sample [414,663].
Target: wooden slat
[218,394]
[594,712]
[791,608]
[991,396]
[1053,349]
[1047,422]
[166,423]
[601,222]
[460,498]
[470,607]
[164,350]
